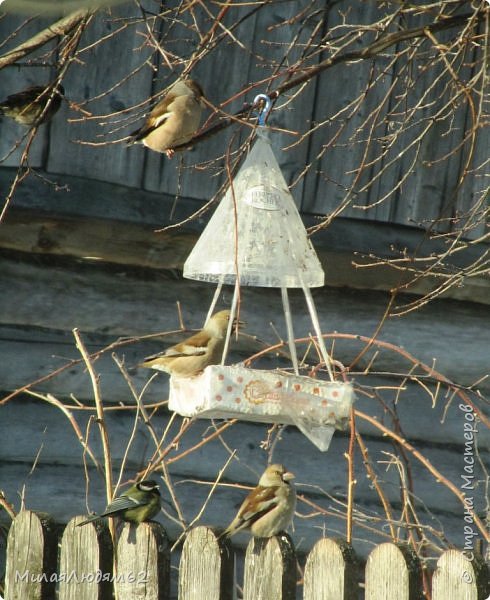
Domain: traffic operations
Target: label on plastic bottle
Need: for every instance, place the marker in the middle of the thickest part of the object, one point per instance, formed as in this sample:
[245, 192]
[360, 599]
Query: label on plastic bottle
[260, 196]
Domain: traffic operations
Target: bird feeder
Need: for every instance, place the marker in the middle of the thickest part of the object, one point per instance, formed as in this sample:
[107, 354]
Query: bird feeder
[264, 244]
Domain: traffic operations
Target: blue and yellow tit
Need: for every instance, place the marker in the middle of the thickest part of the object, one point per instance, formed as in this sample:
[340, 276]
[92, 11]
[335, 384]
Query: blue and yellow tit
[141, 502]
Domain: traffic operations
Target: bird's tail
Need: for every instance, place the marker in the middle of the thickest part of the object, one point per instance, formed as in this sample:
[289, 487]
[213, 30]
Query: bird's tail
[89, 520]
[224, 534]
[134, 137]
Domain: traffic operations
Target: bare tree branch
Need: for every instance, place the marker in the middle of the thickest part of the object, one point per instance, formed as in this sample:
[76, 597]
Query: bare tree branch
[61, 27]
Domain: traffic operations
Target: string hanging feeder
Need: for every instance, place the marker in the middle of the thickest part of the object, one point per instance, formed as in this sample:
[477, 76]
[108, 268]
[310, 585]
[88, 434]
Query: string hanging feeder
[267, 247]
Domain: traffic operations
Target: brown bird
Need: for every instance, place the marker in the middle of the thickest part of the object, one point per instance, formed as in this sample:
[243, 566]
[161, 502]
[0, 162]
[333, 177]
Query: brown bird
[174, 120]
[269, 508]
[193, 355]
[34, 105]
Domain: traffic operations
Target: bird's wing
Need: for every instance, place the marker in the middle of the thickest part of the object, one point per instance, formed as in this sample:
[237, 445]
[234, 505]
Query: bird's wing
[28, 95]
[196, 345]
[120, 504]
[257, 504]
[155, 121]
[160, 113]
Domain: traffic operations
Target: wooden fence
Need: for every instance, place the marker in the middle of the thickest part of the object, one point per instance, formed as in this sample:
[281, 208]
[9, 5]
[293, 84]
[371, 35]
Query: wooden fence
[80, 565]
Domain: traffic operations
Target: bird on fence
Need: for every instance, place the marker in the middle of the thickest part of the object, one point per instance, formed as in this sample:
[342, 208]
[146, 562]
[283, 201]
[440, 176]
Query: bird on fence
[34, 105]
[269, 508]
[174, 120]
[141, 502]
[193, 355]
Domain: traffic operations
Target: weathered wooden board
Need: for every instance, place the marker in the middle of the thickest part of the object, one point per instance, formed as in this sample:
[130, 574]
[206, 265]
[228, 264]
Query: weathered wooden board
[321, 477]
[335, 108]
[392, 572]
[96, 78]
[84, 550]
[32, 550]
[120, 302]
[206, 568]
[442, 424]
[344, 245]
[331, 571]
[110, 241]
[13, 137]
[260, 43]
[138, 245]
[280, 38]
[269, 569]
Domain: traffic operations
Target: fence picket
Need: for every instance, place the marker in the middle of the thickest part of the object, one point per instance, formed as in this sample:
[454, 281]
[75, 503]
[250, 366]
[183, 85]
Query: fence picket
[270, 569]
[31, 557]
[85, 552]
[206, 567]
[143, 563]
[330, 571]
[458, 578]
[393, 573]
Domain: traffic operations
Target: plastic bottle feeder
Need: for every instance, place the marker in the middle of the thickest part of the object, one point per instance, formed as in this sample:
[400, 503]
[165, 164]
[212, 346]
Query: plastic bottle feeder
[264, 245]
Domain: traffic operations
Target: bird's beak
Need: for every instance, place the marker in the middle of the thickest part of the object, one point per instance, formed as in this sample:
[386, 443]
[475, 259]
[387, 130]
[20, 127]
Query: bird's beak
[288, 476]
[238, 323]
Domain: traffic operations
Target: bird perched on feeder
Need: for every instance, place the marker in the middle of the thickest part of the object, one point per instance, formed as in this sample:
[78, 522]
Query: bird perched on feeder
[269, 508]
[33, 106]
[141, 502]
[174, 120]
[193, 355]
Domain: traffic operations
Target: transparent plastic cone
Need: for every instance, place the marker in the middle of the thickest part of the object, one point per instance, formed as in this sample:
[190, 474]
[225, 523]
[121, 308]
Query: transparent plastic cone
[266, 241]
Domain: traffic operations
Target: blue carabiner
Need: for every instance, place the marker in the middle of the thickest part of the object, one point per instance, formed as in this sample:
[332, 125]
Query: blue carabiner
[265, 111]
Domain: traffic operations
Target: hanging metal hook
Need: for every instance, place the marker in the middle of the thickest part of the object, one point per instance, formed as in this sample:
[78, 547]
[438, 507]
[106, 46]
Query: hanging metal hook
[262, 114]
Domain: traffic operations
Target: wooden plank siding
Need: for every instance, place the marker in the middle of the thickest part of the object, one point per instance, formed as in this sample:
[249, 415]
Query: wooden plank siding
[15, 79]
[96, 80]
[428, 192]
[58, 479]
[84, 253]
[206, 568]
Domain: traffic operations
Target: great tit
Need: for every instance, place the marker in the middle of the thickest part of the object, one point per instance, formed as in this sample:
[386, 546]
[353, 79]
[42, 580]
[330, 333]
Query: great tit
[141, 502]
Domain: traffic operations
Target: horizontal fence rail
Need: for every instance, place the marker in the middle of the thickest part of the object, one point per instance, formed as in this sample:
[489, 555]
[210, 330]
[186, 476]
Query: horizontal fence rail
[84, 565]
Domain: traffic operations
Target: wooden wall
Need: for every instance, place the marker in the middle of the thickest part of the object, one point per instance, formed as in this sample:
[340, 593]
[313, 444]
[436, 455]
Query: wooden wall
[101, 78]
[46, 297]
[107, 205]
